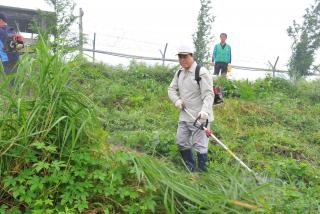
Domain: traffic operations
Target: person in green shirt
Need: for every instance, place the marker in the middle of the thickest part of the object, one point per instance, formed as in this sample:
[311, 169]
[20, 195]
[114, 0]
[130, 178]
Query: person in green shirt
[221, 56]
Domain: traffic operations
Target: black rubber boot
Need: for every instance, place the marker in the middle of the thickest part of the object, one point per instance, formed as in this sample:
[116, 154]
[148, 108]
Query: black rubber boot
[202, 159]
[187, 157]
[218, 97]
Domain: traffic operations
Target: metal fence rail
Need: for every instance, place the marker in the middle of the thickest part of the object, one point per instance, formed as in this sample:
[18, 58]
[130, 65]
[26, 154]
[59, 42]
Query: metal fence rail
[130, 56]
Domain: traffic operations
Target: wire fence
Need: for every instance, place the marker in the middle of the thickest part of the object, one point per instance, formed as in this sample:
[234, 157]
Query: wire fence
[130, 56]
[122, 39]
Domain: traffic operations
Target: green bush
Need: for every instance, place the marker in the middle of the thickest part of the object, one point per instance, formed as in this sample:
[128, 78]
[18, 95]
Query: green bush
[309, 90]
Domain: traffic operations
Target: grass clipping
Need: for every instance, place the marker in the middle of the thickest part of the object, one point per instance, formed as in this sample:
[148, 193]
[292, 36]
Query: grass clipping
[214, 191]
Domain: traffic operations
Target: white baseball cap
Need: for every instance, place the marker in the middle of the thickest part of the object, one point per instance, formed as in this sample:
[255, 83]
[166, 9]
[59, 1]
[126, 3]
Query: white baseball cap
[185, 49]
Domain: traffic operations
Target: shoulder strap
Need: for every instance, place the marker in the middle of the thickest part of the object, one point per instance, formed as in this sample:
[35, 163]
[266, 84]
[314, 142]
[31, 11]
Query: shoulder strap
[197, 74]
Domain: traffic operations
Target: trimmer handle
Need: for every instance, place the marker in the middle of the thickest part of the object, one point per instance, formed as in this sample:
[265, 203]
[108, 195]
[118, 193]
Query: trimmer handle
[202, 126]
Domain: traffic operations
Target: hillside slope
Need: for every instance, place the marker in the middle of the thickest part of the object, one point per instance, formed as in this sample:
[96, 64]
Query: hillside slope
[271, 124]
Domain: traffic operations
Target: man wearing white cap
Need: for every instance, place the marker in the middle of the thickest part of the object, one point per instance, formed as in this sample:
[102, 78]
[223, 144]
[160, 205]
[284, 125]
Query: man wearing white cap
[195, 94]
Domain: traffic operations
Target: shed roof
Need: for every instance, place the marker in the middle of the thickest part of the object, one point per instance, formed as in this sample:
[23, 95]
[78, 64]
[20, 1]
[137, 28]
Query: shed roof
[23, 18]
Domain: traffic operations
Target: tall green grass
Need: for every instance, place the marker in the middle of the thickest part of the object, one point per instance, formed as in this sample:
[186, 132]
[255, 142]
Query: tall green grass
[221, 190]
[44, 123]
[42, 107]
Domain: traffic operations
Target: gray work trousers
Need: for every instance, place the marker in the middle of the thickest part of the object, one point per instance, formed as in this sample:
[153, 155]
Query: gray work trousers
[190, 137]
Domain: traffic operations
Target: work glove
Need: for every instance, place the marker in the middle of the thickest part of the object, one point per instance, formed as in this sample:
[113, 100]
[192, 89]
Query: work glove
[203, 115]
[179, 104]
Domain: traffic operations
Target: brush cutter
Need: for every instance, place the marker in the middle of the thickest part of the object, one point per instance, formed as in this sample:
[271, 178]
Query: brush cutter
[199, 125]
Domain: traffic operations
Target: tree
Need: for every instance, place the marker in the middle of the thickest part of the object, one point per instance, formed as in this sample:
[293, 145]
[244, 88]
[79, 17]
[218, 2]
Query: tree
[65, 18]
[306, 42]
[202, 37]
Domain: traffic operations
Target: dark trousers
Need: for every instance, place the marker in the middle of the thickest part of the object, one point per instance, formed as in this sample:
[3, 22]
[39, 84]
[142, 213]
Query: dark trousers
[9, 67]
[220, 66]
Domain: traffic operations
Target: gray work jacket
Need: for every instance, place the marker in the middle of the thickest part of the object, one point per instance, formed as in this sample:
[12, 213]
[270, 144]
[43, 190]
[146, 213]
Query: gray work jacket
[195, 97]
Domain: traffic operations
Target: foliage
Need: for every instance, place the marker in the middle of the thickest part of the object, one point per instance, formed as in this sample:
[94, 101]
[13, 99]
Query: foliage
[306, 42]
[202, 36]
[52, 145]
[77, 137]
[65, 19]
[271, 124]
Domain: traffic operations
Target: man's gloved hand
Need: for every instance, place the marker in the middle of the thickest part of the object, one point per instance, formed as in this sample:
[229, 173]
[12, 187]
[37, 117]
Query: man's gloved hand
[179, 104]
[203, 115]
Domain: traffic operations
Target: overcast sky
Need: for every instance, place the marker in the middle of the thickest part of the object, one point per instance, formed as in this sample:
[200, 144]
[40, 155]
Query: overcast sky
[256, 28]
